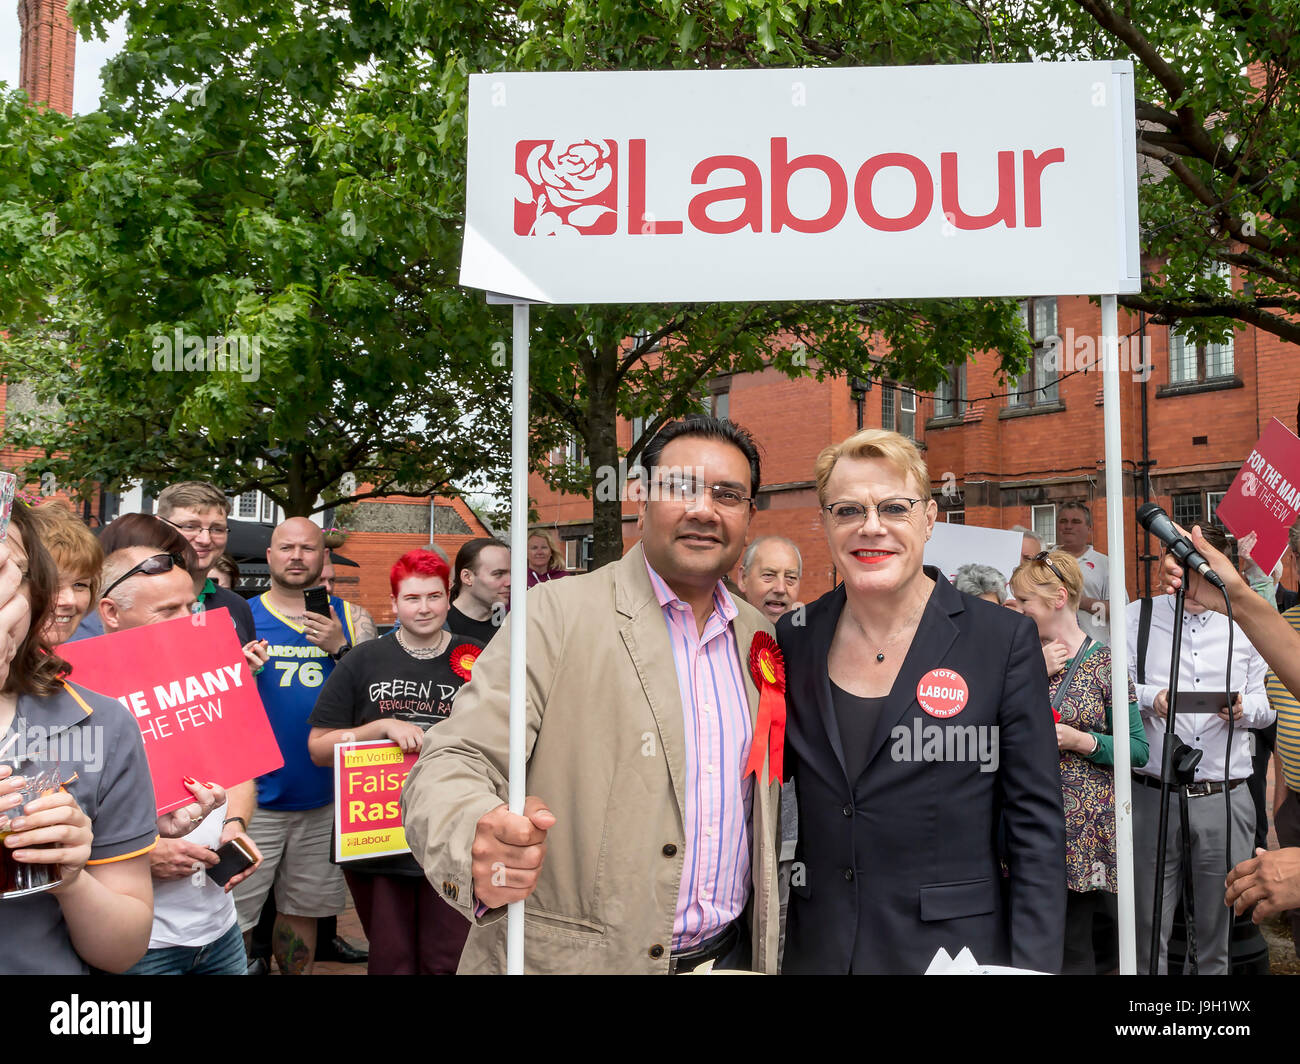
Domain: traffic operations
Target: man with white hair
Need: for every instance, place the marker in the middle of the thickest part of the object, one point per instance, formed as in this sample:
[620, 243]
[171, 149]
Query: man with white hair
[1030, 543]
[770, 571]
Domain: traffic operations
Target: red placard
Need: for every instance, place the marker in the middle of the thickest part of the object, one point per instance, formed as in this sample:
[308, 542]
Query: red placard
[188, 687]
[1265, 495]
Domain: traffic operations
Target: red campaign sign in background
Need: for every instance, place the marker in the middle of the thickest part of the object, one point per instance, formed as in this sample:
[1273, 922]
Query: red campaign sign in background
[187, 685]
[1265, 495]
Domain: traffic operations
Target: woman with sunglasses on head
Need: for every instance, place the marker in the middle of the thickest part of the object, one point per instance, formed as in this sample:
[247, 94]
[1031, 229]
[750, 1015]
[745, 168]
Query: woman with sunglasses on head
[1048, 587]
[98, 828]
[916, 727]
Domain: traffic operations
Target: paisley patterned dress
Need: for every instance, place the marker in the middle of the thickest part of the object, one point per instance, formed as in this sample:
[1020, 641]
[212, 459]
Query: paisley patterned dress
[1088, 789]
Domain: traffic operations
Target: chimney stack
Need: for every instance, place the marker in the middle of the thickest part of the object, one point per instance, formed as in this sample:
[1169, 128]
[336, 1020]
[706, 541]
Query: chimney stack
[49, 49]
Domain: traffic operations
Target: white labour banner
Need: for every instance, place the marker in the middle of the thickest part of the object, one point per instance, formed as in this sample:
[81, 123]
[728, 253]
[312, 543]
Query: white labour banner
[858, 183]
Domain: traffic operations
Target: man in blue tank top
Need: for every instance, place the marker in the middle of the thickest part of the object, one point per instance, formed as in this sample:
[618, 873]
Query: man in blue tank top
[296, 802]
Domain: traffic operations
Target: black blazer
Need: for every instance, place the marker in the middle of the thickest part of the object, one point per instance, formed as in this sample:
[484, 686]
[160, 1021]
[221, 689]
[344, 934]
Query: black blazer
[904, 859]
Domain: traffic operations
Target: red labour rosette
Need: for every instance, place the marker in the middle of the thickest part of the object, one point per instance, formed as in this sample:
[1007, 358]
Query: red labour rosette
[462, 659]
[767, 667]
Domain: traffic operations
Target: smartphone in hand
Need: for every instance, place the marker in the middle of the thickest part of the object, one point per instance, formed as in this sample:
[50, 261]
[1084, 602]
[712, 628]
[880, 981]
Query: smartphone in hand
[318, 600]
[232, 859]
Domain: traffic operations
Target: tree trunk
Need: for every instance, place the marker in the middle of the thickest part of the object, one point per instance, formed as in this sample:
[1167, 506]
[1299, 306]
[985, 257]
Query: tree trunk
[601, 439]
[301, 496]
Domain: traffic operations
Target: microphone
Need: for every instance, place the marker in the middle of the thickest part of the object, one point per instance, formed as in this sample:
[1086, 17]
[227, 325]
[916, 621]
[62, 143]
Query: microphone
[1156, 521]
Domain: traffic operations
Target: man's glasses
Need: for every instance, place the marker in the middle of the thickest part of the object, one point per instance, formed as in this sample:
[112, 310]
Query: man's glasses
[675, 489]
[890, 511]
[192, 528]
[1042, 556]
[151, 566]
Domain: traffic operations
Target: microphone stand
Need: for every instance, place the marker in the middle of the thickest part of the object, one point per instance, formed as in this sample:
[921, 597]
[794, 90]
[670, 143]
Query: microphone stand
[1177, 766]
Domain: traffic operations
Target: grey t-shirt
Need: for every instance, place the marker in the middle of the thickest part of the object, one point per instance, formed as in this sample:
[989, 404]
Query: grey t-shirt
[95, 738]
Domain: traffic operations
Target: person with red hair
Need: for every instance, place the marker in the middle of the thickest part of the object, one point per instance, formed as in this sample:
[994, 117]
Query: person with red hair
[396, 688]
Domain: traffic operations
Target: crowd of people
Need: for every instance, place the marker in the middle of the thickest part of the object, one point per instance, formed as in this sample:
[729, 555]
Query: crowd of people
[719, 775]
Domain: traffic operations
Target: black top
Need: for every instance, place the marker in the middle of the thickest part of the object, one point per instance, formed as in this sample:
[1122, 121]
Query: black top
[903, 858]
[240, 612]
[378, 679]
[857, 718]
[460, 624]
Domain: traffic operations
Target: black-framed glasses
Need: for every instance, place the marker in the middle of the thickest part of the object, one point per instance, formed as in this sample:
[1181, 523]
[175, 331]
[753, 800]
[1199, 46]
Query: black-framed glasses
[215, 531]
[891, 511]
[151, 566]
[1042, 556]
[679, 489]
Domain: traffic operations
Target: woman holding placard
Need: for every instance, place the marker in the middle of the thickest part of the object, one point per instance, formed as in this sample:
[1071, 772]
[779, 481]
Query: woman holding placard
[396, 688]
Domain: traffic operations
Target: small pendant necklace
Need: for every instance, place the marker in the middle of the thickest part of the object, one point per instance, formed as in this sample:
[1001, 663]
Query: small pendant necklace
[424, 653]
[880, 649]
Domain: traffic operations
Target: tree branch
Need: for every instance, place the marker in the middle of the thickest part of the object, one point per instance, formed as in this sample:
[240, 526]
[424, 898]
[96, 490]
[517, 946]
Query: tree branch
[1218, 308]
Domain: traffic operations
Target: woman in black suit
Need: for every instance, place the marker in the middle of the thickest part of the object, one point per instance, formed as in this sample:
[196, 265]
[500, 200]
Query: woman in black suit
[920, 734]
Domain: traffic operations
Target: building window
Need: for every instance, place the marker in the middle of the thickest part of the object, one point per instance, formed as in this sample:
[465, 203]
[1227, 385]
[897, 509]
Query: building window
[950, 395]
[574, 454]
[1043, 522]
[1186, 509]
[898, 410]
[1193, 363]
[1212, 500]
[577, 553]
[246, 506]
[1040, 384]
[720, 398]
[956, 517]
[268, 510]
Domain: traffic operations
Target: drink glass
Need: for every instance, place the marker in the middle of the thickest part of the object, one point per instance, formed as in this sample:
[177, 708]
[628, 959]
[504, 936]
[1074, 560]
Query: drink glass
[19, 880]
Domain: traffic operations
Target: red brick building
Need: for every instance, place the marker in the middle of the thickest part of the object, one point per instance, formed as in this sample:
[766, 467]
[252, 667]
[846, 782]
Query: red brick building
[1011, 453]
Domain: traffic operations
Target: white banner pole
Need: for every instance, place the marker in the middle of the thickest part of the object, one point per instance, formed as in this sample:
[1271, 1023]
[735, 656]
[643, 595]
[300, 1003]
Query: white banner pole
[518, 608]
[1118, 636]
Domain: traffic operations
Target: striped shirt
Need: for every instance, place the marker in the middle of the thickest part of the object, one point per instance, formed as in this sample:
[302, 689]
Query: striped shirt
[715, 882]
[1288, 718]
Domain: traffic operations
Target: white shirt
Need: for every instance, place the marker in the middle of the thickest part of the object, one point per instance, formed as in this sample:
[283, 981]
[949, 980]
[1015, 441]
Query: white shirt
[1200, 668]
[193, 911]
[1096, 585]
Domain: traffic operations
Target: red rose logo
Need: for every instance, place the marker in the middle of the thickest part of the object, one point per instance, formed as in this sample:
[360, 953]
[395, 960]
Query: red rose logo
[1249, 485]
[566, 187]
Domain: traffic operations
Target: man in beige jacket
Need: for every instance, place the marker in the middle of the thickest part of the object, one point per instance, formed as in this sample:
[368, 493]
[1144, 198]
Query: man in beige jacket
[644, 847]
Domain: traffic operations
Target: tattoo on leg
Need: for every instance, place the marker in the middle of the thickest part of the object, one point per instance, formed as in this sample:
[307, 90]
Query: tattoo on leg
[289, 949]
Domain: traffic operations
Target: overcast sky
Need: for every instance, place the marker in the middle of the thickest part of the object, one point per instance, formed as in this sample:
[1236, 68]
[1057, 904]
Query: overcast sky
[90, 57]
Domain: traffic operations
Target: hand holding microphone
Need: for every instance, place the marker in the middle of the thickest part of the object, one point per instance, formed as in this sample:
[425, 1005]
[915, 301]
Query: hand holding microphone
[1222, 573]
[1156, 521]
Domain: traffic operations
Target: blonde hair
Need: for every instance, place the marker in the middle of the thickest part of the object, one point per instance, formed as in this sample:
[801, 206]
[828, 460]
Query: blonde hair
[556, 560]
[74, 548]
[894, 448]
[1036, 577]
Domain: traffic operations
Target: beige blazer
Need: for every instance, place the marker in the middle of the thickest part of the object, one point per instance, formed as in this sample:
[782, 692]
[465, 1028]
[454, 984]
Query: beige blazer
[606, 751]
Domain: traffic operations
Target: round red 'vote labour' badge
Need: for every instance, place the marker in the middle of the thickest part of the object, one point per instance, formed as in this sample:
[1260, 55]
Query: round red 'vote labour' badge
[942, 693]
